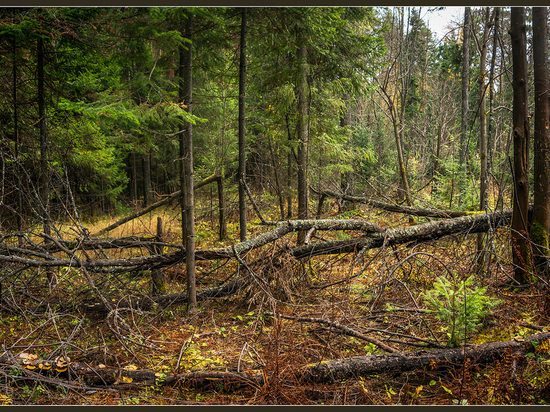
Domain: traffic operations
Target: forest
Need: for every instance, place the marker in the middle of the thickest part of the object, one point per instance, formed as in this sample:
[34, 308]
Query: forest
[274, 206]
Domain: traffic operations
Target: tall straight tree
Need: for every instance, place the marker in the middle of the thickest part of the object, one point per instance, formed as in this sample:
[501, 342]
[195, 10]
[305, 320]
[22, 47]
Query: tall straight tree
[483, 186]
[465, 89]
[303, 137]
[44, 164]
[186, 150]
[521, 146]
[242, 129]
[541, 143]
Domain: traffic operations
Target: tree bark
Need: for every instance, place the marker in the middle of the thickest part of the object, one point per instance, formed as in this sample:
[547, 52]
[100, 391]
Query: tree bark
[490, 139]
[465, 89]
[303, 138]
[541, 143]
[242, 127]
[520, 228]
[44, 164]
[147, 185]
[419, 233]
[350, 368]
[188, 220]
[157, 276]
[483, 186]
[19, 218]
[345, 177]
[221, 210]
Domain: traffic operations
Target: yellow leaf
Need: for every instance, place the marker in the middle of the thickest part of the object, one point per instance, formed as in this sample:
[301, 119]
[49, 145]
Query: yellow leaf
[131, 368]
[418, 389]
[126, 379]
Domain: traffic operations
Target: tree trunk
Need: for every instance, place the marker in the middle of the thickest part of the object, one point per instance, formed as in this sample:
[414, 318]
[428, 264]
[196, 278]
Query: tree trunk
[157, 276]
[303, 138]
[188, 197]
[175, 195]
[44, 167]
[520, 228]
[147, 185]
[417, 233]
[490, 139]
[242, 129]
[541, 143]
[345, 177]
[275, 164]
[221, 210]
[483, 191]
[19, 219]
[465, 89]
[350, 368]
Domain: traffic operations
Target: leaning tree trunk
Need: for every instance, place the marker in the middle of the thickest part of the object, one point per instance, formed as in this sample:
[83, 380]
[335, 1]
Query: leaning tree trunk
[520, 228]
[541, 143]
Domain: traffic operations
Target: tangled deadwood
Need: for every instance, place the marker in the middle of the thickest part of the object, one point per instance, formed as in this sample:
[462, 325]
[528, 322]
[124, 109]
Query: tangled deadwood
[58, 370]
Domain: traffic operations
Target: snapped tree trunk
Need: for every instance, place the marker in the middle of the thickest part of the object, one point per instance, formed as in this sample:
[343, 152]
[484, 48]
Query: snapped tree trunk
[520, 228]
[541, 143]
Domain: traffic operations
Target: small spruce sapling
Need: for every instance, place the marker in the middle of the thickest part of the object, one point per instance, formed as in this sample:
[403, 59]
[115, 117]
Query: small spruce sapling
[460, 305]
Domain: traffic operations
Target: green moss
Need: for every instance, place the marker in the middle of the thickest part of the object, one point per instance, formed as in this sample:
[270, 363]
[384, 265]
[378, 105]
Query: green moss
[539, 236]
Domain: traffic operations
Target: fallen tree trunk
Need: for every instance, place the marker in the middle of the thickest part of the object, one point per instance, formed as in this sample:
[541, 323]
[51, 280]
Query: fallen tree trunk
[394, 207]
[350, 368]
[157, 261]
[322, 372]
[175, 195]
[419, 233]
[375, 236]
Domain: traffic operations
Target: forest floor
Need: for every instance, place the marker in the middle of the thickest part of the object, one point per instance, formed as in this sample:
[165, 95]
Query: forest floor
[382, 297]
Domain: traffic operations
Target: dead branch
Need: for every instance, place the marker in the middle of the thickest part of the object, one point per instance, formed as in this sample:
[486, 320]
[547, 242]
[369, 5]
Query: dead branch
[154, 206]
[336, 325]
[394, 207]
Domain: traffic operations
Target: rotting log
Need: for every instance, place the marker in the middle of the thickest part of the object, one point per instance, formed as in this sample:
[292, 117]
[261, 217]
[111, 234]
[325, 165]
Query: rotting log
[408, 210]
[354, 367]
[135, 215]
[323, 372]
